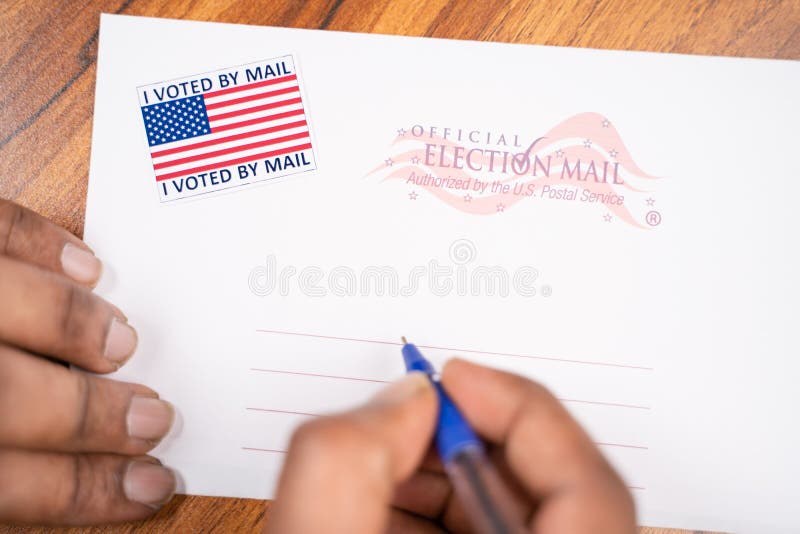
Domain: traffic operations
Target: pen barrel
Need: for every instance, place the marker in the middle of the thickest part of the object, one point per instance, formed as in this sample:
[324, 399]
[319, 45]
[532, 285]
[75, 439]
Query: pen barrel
[484, 495]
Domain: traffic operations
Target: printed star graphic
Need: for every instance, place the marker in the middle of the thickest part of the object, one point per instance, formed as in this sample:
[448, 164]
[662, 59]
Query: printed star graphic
[501, 208]
[412, 195]
[415, 160]
[613, 153]
[401, 132]
[559, 153]
[467, 198]
[650, 201]
[607, 217]
[588, 143]
[605, 123]
[389, 162]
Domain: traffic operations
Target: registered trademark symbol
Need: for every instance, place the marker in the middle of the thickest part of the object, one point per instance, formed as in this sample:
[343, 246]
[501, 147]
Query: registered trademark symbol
[653, 218]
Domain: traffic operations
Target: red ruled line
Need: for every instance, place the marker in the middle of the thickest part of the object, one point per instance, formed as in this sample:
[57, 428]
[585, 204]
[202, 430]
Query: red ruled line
[601, 403]
[340, 377]
[453, 349]
[623, 445]
[263, 450]
[290, 412]
[276, 451]
[337, 377]
[308, 414]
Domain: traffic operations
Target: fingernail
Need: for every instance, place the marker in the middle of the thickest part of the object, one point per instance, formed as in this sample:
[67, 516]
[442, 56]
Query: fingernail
[149, 484]
[118, 312]
[149, 418]
[80, 265]
[402, 390]
[120, 342]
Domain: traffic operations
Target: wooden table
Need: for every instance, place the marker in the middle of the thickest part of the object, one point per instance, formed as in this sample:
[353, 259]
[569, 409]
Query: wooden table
[48, 51]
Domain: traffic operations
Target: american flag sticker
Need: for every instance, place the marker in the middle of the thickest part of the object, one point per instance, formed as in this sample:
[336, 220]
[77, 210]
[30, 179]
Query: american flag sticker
[226, 129]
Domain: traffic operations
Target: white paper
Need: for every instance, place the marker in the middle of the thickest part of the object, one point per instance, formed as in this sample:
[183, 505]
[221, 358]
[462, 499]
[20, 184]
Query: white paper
[669, 336]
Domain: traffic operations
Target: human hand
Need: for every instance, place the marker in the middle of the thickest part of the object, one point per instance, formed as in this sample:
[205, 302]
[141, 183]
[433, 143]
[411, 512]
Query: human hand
[72, 445]
[367, 470]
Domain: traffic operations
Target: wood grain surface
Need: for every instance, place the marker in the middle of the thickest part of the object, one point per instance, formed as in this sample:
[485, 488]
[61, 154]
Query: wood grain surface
[47, 75]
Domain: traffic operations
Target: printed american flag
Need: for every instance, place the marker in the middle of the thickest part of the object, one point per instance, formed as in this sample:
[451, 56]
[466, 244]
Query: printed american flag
[226, 127]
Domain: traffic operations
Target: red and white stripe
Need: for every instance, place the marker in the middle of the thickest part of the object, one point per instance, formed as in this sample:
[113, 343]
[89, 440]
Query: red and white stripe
[248, 123]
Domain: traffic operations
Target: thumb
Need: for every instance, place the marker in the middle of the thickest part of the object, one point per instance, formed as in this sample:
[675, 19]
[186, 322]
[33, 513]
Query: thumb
[341, 471]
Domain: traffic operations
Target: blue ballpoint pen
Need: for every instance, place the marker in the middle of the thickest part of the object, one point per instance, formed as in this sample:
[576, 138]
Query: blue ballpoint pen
[477, 484]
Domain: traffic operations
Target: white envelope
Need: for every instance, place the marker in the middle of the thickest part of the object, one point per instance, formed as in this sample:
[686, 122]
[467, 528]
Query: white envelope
[620, 226]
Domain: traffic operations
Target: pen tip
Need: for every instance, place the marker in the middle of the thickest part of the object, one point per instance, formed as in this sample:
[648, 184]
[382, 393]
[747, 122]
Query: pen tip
[405, 341]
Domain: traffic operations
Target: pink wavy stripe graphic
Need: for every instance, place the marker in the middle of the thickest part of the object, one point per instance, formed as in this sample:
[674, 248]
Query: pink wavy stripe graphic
[590, 125]
[578, 138]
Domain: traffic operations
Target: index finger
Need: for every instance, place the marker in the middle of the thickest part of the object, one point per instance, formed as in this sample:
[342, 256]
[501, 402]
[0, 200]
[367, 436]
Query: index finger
[546, 449]
[27, 236]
